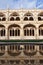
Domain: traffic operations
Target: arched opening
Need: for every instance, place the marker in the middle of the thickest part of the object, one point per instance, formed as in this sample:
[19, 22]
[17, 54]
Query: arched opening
[29, 30]
[14, 50]
[28, 17]
[29, 47]
[11, 32]
[29, 50]
[40, 16]
[26, 32]
[31, 19]
[2, 30]
[14, 47]
[41, 30]
[17, 19]
[14, 17]
[2, 50]
[41, 61]
[17, 32]
[2, 62]
[2, 17]
[14, 30]
[41, 49]
[32, 61]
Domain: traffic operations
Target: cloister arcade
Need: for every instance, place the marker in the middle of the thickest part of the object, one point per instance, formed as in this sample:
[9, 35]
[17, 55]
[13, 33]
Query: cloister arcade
[15, 30]
[20, 31]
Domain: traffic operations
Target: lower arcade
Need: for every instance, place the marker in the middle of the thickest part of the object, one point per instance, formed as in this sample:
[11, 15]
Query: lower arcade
[21, 53]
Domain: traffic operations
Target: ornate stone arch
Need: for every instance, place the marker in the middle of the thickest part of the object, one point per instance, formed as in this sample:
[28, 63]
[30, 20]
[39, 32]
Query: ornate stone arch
[28, 16]
[13, 30]
[14, 16]
[29, 30]
[2, 17]
[40, 16]
[41, 29]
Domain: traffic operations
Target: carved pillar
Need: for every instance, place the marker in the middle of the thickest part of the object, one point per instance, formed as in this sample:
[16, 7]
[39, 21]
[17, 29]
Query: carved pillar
[6, 51]
[37, 33]
[38, 54]
[6, 33]
[22, 32]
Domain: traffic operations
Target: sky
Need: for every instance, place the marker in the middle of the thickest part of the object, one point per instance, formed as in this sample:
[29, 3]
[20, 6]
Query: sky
[18, 4]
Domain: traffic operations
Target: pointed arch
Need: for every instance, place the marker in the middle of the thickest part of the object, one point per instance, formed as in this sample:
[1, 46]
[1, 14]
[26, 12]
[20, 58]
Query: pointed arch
[14, 17]
[14, 14]
[2, 17]
[40, 16]
[29, 30]
[41, 30]
[28, 16]
[14, 30]
[2, 30]
[29, 25]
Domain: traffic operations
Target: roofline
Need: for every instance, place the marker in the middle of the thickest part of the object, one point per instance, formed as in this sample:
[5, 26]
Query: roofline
[21, 9]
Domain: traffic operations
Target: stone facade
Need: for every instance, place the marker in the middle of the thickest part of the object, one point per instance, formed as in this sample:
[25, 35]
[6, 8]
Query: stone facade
[21, 25]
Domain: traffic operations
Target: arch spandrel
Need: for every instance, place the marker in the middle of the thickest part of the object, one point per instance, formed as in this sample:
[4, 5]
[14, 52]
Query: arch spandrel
[28, 14]
[2, 14]
[29, 25]
[40, 14]
[14, 14]
[41, 25]
[13, 25]
[2, 25]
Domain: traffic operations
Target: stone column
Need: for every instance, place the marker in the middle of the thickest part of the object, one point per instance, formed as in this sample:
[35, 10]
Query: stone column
[22, 32]
[35, 47]
[6, 53]
[38, 54]
[37, 32]
[6, 33]
[14, 48]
